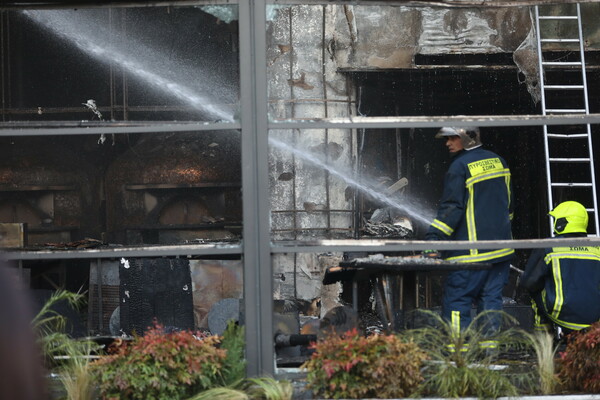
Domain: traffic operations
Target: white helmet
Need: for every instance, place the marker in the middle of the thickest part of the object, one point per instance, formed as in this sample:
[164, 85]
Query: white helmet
[469, 136]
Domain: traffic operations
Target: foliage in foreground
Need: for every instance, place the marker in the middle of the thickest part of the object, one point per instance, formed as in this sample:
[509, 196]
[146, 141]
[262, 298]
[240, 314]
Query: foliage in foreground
[545, 350]
[234, 365]
[459, 366]
[50, 327]
[475, 380]
[265, 388]
[160, 365]
[233, 372]
[75, 372]
[580, 362]
[66, 356]
[354, 366]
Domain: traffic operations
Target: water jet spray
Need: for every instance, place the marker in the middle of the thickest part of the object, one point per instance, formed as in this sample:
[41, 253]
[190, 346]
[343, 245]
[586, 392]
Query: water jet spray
[363, 187]
[59, 23]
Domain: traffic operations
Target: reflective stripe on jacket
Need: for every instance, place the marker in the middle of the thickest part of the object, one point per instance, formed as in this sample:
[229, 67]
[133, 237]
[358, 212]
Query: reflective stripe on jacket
[571, 294]
[476, 204]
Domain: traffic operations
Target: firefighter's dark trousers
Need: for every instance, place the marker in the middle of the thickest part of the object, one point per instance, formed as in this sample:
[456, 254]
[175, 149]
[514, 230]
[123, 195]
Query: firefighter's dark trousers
[482, 288]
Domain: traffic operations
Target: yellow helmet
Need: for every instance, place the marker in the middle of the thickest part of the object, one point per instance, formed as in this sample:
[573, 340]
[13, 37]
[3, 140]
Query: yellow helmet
[570, 217]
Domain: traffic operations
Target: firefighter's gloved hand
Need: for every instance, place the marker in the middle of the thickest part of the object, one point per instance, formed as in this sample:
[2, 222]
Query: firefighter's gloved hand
[430, 254]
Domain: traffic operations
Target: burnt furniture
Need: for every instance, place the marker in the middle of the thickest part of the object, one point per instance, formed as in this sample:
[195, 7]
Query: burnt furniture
[393, 280]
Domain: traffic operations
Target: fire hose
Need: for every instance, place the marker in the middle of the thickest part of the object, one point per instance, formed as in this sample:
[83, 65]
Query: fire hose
[286, 340]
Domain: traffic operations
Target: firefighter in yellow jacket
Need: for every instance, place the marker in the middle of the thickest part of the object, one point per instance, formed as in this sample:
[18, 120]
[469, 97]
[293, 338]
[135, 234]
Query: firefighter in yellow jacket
[564, 281]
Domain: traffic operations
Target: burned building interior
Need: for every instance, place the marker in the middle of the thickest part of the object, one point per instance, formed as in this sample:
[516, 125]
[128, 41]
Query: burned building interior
[78, 191]
[137, 65]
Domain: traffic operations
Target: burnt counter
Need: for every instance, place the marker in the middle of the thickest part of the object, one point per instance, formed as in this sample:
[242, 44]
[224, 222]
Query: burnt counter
[394, 282]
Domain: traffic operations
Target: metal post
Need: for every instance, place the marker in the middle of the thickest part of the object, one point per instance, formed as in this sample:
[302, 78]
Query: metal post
[99, 291]
[258, 291]
[543, 103]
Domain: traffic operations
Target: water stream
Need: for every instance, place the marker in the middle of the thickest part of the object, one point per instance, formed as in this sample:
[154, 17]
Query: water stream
[375, 193]
[92, 38]
[65, 25]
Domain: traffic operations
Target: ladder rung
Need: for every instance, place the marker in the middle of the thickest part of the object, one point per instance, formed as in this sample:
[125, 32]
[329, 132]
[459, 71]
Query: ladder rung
[557, 40]
[575, 160]
[558, 17]
[568, 184]
[565, 136]
[566, 110]
[592, 210]
[561, 63]
[564, 87]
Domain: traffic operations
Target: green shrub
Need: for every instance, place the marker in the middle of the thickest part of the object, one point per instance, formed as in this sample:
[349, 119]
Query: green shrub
[354, 366]
[160, 365]
[50, 327]
[542, 344]
[75, 372]
[234, 365]
[262, 388]
[579, 365]
[67, 358]
[459, 366]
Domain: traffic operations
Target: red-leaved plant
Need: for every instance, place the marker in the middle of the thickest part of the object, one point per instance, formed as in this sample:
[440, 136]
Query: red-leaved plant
[354, 366]
[579, 367]
[160, 365]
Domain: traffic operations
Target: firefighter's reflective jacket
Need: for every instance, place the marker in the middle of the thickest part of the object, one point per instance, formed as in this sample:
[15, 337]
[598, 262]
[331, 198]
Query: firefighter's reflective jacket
[567, 281]
[476, 204]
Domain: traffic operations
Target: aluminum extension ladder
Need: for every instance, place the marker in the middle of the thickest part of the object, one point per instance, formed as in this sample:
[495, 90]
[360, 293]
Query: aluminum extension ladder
[567, 148]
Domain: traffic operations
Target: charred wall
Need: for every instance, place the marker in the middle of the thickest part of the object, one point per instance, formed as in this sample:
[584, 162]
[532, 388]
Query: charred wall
[175, 188]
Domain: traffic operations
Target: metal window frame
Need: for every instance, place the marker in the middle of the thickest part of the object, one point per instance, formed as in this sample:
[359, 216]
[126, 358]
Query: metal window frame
[258, 279]
[90, 128]
[257, 247]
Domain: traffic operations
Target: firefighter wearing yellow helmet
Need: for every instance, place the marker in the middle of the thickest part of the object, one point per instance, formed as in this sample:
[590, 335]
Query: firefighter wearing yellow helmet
[564, 281]
[570, 217]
